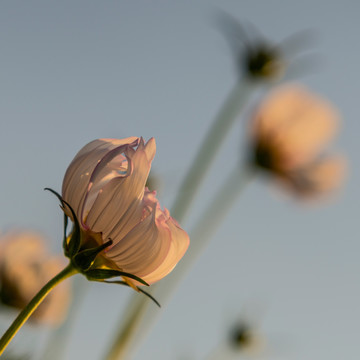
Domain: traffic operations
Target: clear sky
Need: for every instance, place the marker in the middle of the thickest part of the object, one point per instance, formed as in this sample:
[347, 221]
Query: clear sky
[73, 71]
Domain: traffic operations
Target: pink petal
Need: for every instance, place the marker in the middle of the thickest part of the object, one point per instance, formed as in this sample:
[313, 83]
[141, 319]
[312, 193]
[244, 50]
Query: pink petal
[296, 123]
[179, 243]
[319, 178]
[77, 177]
[114, 200]
[143, 249]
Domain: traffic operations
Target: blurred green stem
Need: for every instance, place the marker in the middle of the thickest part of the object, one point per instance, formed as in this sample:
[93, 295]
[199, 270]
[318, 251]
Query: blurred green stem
[139, 320]
[136, 311]
[33, 304]
[209, 147]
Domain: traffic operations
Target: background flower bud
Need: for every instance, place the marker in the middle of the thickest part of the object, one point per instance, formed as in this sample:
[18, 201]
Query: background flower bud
[25, 267]
[288, 131]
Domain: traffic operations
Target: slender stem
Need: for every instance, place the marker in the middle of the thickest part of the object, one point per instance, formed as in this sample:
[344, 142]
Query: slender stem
[33, 304]
[200, 166]
[139, 320]
[215, 213]
[209, 147]
[127, 331]
[57, 343]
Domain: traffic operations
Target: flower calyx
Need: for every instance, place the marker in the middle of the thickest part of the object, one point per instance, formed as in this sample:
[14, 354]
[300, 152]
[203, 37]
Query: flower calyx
[263, 62]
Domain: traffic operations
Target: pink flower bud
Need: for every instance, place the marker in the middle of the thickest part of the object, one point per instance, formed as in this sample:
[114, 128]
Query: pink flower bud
[105, 186]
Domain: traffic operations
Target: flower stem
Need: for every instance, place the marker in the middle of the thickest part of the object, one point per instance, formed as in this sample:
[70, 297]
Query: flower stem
[139, 316]
[33, 304]
[192, 181]
[209, 147]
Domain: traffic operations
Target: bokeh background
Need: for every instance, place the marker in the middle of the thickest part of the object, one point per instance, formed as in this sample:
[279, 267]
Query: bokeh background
[73, 71]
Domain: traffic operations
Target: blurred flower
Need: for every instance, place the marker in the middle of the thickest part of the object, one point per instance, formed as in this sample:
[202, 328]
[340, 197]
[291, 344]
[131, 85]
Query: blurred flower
[25, 267]
[105, 187]
[244, 337]
[289, 129]
[258, 58]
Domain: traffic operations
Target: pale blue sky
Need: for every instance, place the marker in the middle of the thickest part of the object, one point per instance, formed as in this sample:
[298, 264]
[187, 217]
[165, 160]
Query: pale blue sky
[72, 71]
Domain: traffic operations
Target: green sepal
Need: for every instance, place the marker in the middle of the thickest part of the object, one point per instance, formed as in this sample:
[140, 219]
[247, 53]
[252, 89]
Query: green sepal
[102, 274]
[75, 237]
[119, 282]
[56, 194]
[85, 258]
[65, 245]
[72, 247]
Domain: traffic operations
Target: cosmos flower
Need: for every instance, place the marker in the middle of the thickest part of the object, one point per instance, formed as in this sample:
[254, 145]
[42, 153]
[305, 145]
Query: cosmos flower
[25, 266]
[105, 187]
[288, 132]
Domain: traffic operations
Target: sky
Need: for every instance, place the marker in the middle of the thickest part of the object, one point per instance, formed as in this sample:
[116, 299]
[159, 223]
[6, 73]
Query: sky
[74, 71]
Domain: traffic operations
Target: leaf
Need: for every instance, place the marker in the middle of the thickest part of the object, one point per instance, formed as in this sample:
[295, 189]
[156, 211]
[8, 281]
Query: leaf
[74, 242]
[101, 274]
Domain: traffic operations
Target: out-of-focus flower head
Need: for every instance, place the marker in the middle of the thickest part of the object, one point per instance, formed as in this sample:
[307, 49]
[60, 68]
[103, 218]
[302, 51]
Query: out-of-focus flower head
[25, 267]
[288, 132]
[257, 57]
[123, 230]
[245, 338]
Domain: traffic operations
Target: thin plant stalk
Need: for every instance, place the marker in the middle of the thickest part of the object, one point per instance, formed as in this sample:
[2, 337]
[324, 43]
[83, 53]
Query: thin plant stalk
[137, 324]
[59, 338]
[210, 146]
[191, 183]
[33, 304]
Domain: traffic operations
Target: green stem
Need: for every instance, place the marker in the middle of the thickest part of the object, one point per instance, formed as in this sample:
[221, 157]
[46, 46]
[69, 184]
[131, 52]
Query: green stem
[209, 147]
[215, 213]
[139, 320]
[192, 181]
[125, 336]
[33, 304]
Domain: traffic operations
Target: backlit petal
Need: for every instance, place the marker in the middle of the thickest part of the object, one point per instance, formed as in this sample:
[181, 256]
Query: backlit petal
[121, 193]
[77, 177]
[143, 249]
[179, 242]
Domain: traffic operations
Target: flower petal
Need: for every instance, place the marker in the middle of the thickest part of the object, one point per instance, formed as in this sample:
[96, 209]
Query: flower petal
[296, 123]
[179, 242]
[318, 179]
[77, 177]
[143, 249]
[121, 194]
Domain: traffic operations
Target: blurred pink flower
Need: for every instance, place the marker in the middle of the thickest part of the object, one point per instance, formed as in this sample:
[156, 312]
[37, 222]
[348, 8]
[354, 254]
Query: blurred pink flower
[289, 130]
[25, 267]
[105, 186]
